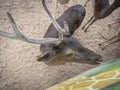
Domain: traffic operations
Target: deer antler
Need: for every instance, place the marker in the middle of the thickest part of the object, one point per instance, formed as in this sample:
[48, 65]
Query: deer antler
[20, 36]
[57, 26]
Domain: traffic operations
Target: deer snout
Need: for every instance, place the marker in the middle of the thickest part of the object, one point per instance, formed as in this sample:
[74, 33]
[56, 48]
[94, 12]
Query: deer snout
[97, 60]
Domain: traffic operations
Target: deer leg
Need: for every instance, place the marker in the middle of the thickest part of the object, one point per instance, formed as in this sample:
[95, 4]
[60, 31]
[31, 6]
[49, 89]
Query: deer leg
[102, 36]
[86, 3]
[118, 21]
[107, 40]
[88, 22]
[116, 36]
[93, 21]
[110, 41]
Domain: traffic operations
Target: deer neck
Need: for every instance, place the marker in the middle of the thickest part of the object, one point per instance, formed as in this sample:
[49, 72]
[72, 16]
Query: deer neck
[108, 10]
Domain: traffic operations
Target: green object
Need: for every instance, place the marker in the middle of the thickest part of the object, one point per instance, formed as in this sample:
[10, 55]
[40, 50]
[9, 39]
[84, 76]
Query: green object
[102, 68]
[115, 86]
[104, 77]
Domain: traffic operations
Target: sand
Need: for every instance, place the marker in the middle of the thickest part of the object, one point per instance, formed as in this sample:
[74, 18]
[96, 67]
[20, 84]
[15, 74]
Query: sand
[19, 69]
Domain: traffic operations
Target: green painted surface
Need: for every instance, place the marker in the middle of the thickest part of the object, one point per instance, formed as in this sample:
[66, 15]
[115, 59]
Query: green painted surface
[115, 86]
[102, 68]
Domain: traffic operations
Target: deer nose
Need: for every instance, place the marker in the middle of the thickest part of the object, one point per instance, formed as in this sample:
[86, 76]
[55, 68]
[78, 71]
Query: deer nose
[98, 61]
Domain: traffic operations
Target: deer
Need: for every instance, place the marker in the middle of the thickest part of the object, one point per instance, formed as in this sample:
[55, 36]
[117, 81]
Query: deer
[58, 46]
[102, 9]
[69, 48]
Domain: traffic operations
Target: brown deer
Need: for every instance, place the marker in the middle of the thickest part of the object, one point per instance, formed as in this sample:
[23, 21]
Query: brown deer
[102, 9]
[59, 46]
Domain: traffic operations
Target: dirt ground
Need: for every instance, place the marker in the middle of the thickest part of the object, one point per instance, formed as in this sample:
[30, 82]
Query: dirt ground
[19, 69]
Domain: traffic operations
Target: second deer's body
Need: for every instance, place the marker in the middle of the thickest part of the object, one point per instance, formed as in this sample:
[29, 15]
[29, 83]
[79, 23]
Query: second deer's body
[102, 9]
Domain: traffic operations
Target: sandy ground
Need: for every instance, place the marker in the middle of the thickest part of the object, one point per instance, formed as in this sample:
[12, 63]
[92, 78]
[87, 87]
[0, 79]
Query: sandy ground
[19, 69]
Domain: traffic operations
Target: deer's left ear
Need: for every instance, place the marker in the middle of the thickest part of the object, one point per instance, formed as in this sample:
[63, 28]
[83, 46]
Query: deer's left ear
[43, 57]
[46, 56]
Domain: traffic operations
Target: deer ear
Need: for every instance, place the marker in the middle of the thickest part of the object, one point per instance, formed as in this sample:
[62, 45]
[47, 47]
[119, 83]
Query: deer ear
[43, 57]
[46, 56]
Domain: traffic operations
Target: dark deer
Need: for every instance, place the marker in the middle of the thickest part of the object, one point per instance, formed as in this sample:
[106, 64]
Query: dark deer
[69, 50]
[59, 46]
[102, 9]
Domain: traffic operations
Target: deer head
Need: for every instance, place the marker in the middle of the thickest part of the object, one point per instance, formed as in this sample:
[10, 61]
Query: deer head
[69, 50]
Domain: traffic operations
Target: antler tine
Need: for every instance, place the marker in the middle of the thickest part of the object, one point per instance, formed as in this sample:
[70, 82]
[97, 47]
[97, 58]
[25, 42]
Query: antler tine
[14, 26]
[18, 35]
[57, 26]
[6, 34]
[66, 27]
